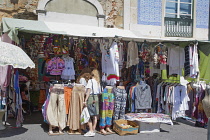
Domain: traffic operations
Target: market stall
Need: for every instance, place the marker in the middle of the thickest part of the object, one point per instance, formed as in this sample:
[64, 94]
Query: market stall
[136, 75]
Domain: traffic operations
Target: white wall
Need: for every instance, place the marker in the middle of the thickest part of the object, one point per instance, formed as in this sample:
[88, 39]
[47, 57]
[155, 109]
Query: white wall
[68, 18]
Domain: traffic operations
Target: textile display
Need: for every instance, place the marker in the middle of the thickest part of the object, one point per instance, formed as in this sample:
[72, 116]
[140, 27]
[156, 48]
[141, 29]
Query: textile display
[67, 97]
[149, 117]
[107, 108]
[120, 98]
[76, 107]
[56, 114]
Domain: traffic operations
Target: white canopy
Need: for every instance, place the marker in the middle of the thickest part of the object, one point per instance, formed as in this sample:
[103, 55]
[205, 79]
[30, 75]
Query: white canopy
[12, 26]
[14, 56]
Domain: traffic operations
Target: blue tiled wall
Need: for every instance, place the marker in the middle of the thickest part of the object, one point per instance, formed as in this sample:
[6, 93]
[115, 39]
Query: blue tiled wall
[202, 13]
[150, 12]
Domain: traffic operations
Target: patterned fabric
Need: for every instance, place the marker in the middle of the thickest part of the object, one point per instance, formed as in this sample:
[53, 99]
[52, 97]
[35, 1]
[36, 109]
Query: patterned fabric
[119, 103]
[150, 12]
[107, 108]
[202, 13]
[149, 117]
[55, 66]
[187, 62]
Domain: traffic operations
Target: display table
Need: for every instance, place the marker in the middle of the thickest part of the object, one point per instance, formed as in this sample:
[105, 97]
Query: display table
[149, 122]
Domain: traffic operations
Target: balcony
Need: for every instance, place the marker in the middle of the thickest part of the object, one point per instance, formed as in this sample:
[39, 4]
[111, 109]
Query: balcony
[177, 27]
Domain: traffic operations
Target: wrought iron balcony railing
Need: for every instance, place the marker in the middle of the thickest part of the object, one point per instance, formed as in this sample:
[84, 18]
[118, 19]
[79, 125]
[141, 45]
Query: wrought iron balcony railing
[177, 27]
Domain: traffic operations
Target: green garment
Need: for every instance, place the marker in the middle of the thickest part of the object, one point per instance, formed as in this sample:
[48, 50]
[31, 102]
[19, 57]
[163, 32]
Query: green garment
[204, 67]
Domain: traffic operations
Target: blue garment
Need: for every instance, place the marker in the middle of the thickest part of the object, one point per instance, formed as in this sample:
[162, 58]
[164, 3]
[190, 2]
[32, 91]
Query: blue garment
[133, 108]
[17, 89]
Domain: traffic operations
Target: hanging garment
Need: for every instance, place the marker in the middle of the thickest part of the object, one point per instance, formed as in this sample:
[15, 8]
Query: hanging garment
[68, 72]
[191, 94]
[18, 106]
[104, 57]
[5, 75]
[55, 66]
[121, 58]
[176, 60]
[107, 108]
[187, 61]
[44, 108]
[142, 97]
[56, 113]
[132, 55]
[180, 102]
[198, 112]
[194, 62]
[67, 97]
[120, 98]
[112, 61]
[76, 107]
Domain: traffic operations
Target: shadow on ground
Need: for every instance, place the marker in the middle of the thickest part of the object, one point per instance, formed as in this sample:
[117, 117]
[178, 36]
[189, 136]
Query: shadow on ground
[12, 131]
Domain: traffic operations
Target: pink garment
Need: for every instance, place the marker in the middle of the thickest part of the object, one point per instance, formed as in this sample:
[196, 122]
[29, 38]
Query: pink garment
[5, 76]
[55, 66]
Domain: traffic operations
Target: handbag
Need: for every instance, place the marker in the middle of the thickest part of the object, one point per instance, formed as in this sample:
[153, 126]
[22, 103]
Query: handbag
[92, 107]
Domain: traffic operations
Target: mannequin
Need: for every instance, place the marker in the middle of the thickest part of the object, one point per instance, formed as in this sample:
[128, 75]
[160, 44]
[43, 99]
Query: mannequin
[106, 124]
[55, 116]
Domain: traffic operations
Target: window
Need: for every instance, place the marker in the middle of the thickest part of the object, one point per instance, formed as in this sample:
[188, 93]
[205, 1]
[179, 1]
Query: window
[179, 9]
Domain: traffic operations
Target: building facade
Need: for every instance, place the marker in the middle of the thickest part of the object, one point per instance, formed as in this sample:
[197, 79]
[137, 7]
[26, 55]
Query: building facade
[146, 18]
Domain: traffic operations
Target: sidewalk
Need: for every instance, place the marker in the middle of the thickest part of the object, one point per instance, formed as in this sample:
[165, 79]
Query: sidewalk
[35, 129]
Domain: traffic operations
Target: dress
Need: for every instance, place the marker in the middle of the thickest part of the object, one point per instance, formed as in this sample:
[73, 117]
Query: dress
[68, 73]
[112, 61]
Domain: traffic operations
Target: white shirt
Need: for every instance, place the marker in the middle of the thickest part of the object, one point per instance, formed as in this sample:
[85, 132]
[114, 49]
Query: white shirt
[176, 60]
[93, 84]
[83, 81]
[132, 55]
